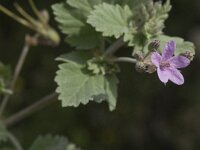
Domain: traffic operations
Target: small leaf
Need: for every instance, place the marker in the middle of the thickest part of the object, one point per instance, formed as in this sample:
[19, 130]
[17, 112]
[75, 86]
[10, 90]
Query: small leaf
[111, 82]
[155, 14]
[49, 142]
[111, 20]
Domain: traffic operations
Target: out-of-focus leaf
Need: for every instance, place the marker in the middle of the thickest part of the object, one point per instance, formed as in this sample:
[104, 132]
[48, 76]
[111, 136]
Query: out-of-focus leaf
[49, 142]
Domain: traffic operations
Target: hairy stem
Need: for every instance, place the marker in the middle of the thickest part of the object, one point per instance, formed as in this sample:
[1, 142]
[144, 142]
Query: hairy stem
[114, 47]
[17, 71]
[124, 59]
[14, 141]
[38, 105]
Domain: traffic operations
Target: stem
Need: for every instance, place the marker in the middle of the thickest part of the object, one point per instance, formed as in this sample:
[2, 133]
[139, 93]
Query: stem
[40, 104]
[26, 15]
[15, 17]
[14, 141]
[114, 47]
[36, 11]
[124, 59]
[15, 76]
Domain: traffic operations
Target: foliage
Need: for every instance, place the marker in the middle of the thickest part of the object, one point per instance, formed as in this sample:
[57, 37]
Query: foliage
[96, 29]
[89, 24]
[49, 142]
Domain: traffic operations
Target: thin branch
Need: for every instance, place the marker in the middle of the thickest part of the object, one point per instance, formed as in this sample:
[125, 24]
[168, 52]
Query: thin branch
[17, 71]
[14, 141]
[124, 59]
[114, 47]
[15, 17]
[40, 104]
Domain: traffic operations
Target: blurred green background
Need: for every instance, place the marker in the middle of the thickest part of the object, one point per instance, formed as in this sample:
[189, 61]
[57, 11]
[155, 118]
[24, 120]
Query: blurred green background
[149, 115]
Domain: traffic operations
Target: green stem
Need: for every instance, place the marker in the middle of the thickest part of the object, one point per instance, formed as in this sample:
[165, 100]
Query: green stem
[36, 11]
[124, 59]
[17, 71]
[26, 15]
[15, 17]
[14, 141]
[114, 47]
[38, 105]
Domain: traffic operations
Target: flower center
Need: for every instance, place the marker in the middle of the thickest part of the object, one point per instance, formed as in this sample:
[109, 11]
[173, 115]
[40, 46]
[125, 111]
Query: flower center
[164, 64]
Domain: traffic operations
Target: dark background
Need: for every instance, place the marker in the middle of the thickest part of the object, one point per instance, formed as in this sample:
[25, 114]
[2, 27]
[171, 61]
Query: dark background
[149, 115]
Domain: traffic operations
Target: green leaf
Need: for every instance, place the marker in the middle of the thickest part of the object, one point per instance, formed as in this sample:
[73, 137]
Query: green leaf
[52, 143]
[73, 23]
[70, 20]
[111, 82]
[75, 57]
[79, 85]
[75, 86]
[83, 5]
[111, 20]
[87, 38]
[155, 15]
[3, 132]
[181, 46]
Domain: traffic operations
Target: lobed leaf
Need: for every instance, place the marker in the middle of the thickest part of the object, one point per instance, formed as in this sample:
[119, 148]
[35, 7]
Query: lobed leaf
[111, 20]
[77, 85]
[49, 142]
[72, 21]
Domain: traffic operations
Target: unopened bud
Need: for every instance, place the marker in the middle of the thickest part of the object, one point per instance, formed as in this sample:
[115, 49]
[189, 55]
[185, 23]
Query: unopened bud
[140, 67]
[154, 45]
[188, 54]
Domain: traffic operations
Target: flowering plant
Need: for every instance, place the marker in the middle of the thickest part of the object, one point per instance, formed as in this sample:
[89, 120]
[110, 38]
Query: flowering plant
[96, 29]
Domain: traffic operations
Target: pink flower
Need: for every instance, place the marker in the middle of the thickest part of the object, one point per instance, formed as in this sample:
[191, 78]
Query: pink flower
[167, 64]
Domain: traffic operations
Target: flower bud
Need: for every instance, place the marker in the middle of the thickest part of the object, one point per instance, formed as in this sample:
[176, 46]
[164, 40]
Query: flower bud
[154, 45]
[188, 54]
[140, 67]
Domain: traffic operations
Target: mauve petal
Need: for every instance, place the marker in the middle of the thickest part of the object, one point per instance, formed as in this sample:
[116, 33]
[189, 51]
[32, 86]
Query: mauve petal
[168, 51]
[163, 75]
[175, 76]
[156, 58]
[179, 61]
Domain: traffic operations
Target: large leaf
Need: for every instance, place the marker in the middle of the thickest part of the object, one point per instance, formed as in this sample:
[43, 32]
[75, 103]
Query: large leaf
[111, 20]
[78, 85]
[75, 86]
[52, 143]
[72, 21]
